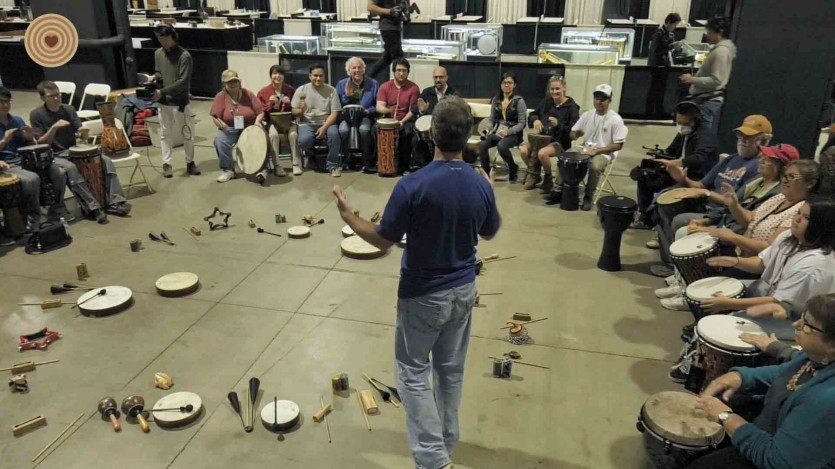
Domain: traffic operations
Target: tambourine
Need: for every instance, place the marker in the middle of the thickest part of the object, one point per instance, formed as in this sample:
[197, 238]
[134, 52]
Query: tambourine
[358, 248]
[177, 284]
[177, 418]
[280, 415]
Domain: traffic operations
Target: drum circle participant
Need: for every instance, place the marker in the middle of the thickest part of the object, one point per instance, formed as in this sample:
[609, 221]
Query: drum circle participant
[507, 122]
[233, 109]
[358, 89]
[275, 97]
[395, 100]
[422, 146]
[316, 104]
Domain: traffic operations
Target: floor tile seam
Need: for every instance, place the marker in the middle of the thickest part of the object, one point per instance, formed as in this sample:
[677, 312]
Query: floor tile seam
[58, 444]
[335, 269]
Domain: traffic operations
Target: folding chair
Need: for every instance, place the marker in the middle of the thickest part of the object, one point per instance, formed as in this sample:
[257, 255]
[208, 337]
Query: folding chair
[92, 89]
[604, 181]
[66, 87]
[133, 156]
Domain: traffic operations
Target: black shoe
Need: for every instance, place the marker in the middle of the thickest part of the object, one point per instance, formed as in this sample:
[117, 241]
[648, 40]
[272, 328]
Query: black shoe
[678, 375]
[120, 210]
[4, 241]
[586, 204]
[553, 198]
[191, 168]
[687, 332]
[369, 169]
[513, 175]
[260, 179]
[167, 171]
[100, 216]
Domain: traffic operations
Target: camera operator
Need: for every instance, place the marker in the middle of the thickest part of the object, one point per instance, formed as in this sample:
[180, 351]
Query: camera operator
[173, 66]
[391, 24]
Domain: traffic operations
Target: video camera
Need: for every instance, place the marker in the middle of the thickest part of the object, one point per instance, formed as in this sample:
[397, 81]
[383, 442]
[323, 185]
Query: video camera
[404, 10]
[147, 90]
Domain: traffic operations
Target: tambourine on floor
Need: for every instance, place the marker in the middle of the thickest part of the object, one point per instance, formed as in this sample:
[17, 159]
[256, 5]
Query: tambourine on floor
[358, 248]
[177, 284]
[174, 419]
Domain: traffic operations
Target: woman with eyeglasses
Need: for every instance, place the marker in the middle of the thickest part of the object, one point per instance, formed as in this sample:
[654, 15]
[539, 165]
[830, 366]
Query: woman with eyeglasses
[794, 428]
[507, 122]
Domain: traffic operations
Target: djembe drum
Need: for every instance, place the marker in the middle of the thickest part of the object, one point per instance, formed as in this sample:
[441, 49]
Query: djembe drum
[353, 114]
[388, 134]
[113, 140]
[537, 142]
[615, 213]
[573, 167]
[38, 159]
[720, 348]
[282, 121]
[87, 158]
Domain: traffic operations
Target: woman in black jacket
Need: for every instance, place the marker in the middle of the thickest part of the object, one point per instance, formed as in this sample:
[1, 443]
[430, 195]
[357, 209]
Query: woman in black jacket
[506, 123]
[554, 116]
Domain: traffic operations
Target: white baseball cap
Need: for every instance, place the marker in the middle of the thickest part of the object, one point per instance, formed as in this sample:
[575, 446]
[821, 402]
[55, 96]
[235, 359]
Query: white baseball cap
[604, 89]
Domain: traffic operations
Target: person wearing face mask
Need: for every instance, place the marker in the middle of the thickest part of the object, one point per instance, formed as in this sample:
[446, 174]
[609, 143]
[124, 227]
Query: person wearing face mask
[693, 148]
[358, 89]
[275, 97]
[737, 170]
[426, 102]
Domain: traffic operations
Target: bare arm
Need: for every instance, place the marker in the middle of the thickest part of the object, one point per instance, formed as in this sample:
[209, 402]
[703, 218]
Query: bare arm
[575, 134]
[367, 231]
[406, 118]
[382, 109]
[377, 10]
[330, 120]
[607, 149]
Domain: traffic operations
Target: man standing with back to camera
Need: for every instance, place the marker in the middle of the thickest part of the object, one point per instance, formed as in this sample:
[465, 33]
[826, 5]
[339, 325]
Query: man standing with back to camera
[173, 66]
[391, 24]
[442, 209]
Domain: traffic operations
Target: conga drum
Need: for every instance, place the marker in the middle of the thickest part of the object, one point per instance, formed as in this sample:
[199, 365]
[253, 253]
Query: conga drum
[353, 114]
[573, 167]
[702, 290]
[675, 433]
[672, 205]
[615, 213]
[38, 159]
[690, 253]
[252, 149]
[87, 158]
[282, 121]
[388, 133]
[719, 347]
[10, 199]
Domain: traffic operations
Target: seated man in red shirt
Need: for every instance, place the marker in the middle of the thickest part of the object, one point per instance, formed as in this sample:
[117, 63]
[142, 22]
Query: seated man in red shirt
[395, 100]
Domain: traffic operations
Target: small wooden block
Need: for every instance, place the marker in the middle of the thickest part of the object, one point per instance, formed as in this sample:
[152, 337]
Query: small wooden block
[521, 317]
[25, 427]
[195, 231]
[23, 367]
[54, 303]
[318, 416]
[369, 404]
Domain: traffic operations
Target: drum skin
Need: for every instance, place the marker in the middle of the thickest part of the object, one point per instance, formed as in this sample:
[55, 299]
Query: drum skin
[690, 253]
[252, 149]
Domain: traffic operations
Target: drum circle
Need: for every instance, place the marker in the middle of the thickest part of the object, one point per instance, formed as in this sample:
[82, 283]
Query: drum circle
[51, 40]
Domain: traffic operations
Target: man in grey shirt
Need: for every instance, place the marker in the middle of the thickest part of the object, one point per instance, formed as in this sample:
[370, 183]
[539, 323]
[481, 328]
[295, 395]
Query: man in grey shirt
[708, 85]
[317, 106]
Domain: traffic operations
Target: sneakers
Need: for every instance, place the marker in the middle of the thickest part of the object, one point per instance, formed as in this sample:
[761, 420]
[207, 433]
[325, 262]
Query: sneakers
[297, 170]
[675, 303]
[669, 292]
[661, 270]
[279, 171]
[191, 169]
[4, 241]
[653, 243]
[225, 176]
[688, 332]
[671, 280]
[639, 225]
[531, 181]
[120, 210]
[100, 216]
[337, 172]
[681, 370]
[167, 171]
[586, 204]
[547, 184]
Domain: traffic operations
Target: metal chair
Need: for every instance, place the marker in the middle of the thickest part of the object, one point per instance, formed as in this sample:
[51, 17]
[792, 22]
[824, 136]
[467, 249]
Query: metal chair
[66, 87]
[133, 156]
[92, 89]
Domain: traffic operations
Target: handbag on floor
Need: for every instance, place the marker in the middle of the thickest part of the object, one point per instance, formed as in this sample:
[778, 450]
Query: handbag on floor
[48, 239]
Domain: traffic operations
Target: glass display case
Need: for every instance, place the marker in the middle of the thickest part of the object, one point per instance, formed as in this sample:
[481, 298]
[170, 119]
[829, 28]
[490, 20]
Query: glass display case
[432, 49]
[480, 40]
[578, 54]
[352, 37]
[621, 39]
[282, 44]
[694, 53]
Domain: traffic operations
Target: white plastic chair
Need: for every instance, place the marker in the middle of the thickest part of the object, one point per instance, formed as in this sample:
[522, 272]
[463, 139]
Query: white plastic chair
[133, 156]
[92, 89]
[604, 181]
[66, 87]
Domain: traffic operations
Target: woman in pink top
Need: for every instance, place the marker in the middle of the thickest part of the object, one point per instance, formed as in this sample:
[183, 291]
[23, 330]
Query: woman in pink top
[233, 109]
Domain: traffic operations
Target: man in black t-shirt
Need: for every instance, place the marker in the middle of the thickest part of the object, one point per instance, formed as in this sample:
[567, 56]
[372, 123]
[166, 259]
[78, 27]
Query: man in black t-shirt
[391, 25]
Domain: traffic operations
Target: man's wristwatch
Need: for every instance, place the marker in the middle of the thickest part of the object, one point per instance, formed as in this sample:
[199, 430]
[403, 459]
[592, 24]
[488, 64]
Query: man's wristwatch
[724, 416]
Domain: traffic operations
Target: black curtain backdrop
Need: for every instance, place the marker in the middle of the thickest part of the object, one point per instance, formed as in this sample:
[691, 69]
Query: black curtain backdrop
[704, 9]
[555, 8]
[473, 7]
[327, 6]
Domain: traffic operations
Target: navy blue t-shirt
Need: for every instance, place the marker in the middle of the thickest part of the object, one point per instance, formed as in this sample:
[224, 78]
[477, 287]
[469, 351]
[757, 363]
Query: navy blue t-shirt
[442, 209]
[9, 152]
[735, 170]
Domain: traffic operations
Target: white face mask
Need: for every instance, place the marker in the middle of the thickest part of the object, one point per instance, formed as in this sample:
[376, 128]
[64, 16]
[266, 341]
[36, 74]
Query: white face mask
[684, 129]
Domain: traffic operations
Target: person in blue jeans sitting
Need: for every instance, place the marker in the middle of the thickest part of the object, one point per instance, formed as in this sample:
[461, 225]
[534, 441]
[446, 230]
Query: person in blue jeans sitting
[316, 104]
[361, 90]
[443, 209]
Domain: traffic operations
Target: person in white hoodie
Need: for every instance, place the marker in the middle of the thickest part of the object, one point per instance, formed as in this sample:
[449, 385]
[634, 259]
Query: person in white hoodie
[708, 85]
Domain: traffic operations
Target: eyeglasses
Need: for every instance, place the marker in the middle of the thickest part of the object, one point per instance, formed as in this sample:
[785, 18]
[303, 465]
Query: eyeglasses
[53, 96]
[806, 327]
[791, 177]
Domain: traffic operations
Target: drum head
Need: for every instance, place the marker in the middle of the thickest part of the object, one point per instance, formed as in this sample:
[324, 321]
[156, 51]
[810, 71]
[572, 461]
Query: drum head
[487, 44]
[723, 331]
[282, 121]
[358, 248]
[424, 123]
[617, 203]
[347, 231]
[673, 416]
[84, 150]
[114, 300]
[173, 418]
[671, 196]
[573, 155]
[693, 244]
[177, 284]
[705, 288]
[280, 415]
[388, 123]
[8, 179]
[251, 149]
[298, 232]
[39, 148]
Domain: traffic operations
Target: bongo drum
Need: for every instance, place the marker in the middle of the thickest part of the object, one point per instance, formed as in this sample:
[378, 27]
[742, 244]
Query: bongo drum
[358, 248]
[672, 205]
[720, 348]
[690, 253]
[38, 159]
[707, 288]
[282, 121]
[87, 158]
[10, 198]
[573, 167]
[471, 151]
[353, 114]
[298, 232]
[177, 284]
[280, 415]
[176, 418]
[252, 149]
[347, 231]
[388, 133]
[674, 432]
[114, 300]
[615, 213]
[422, 127]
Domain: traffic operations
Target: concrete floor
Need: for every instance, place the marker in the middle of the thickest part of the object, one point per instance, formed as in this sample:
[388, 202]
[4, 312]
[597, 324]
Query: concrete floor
[295, 312]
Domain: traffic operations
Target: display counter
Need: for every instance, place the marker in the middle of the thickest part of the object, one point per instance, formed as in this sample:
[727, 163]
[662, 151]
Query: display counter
[202, 36]
[481, 41]
[644, 29]
[15, 24]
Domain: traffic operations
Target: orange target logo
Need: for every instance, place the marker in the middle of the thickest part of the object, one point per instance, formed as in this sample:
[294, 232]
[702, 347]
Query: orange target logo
[51, 40]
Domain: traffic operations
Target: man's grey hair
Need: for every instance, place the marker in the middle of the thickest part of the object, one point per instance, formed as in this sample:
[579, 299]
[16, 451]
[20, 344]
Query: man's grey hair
[352, 59]
[452, 123]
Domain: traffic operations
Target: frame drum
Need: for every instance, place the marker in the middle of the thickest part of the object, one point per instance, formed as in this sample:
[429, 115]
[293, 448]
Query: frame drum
[114, 300]
[347, 231]
[172, 418]
[282, 121]
[298, 232]
[252, 149]
[177, 284]
[358, 248]
[280, 416]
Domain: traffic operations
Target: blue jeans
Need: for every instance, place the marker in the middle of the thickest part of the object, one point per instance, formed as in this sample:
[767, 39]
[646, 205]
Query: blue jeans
[504, 145]
[307, 135]
[437, 323]
[364, 136]
[710, 115]
[225, 140]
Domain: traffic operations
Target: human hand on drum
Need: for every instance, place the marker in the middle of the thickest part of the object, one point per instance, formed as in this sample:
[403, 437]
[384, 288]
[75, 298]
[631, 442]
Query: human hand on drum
[61, 124]
[718, 303]
[553, 121]
[723, 234]
[711, 407]
[758, 340]
[697, 225]
[423, 106]
[727, 384]
[764, 310]
[722, 261]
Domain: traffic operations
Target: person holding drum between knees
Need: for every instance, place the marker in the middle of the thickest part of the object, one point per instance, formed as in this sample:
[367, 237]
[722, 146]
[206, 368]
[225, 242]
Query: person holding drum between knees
[275, 98]
[358, 89]
[507, 123]
[58, 125]
[437, 282]
[555, 115]
[233, 109]
[794, 428]
[429, 98]
[316, 104]
[604, 133]
[394, 100]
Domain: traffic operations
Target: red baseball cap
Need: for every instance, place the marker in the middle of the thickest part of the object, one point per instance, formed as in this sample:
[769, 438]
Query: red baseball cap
[782, 152]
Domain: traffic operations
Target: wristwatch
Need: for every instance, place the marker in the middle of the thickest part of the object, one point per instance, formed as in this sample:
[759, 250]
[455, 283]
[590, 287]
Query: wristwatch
[724, 416]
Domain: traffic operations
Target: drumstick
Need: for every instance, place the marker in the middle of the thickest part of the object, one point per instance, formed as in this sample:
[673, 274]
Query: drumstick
[523, 323]
[57, 437]
[497, 260]
[247, 427]
[321, 400]
[489, 294]
[262, 230]
[182, 408]
[79, 286]
[46, 304]
[26, 365]
[100, 293]
[362, 409]
[523, 363]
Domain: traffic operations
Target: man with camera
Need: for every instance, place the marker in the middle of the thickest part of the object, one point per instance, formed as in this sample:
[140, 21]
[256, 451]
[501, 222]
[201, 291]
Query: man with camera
[391, 24]
[172, 77]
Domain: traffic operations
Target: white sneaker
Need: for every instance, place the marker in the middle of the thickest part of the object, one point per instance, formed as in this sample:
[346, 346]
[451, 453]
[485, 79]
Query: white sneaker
[279, 171]
[669, 292]
[297, 170]
[671, 280]
[336, 172]
[675, 303]
[225, 176]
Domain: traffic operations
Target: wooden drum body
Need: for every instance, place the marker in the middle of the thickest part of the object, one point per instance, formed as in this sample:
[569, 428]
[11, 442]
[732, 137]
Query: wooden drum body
[388, 133]
[252, 149]
[537, 142]
[87, 158]
[113, 140]
[720, 348]
[282, 121]
[690, 253]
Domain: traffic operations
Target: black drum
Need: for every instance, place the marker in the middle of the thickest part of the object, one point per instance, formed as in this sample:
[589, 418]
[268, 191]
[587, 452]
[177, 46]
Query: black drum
[38, 159]
[353, 114]
[615, 213]
[573, 167]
